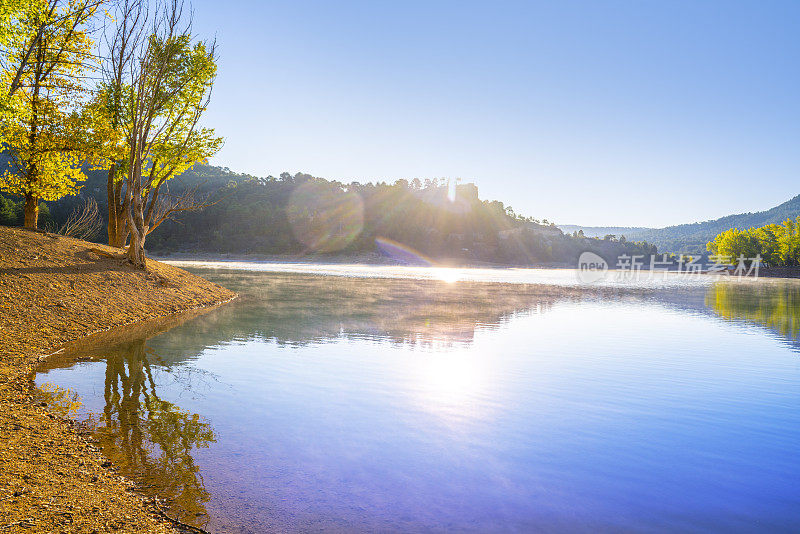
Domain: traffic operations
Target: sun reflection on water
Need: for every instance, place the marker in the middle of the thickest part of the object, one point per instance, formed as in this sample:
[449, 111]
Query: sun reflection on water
[448, 384]
[448, 274]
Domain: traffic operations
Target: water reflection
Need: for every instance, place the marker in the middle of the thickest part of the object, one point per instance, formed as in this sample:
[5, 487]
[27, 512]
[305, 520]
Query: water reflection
[151, 440]
[150, 435]
[774, 304]
[297, 310]
[154, 441]
[398, 404]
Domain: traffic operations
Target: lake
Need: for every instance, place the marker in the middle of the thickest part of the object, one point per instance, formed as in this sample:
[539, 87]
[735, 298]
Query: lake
[360, 399]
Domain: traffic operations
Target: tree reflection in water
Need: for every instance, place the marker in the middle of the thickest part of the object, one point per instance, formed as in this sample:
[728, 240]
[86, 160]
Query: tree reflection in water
[292, 309]
[774, 304]
[150, 439]
[153, 441]
[156, 443]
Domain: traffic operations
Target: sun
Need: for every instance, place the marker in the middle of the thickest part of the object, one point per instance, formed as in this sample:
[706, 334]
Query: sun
[446, 274]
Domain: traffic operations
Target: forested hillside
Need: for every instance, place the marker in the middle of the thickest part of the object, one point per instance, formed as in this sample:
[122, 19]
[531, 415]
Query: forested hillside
[300, 214]
[289, 214]
[602, 231]
[692, 238]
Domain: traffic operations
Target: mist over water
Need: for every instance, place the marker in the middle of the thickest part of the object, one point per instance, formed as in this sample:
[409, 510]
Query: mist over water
[343, 398]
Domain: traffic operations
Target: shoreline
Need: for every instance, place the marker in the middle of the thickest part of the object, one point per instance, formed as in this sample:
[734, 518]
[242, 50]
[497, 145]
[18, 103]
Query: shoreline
[377, 260]
[371, 258]
[57, 291]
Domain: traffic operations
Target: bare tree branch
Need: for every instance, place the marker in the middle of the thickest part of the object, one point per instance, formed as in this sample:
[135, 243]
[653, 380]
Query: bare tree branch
[84, 222]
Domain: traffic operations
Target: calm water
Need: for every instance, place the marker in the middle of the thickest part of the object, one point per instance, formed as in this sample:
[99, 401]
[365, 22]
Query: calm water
[400, 399]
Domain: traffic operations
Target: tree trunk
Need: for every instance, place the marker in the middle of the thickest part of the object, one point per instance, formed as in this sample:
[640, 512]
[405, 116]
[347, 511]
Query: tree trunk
[113, 237]
[137, 228]
[117, 208]
[31, 211]
[136, 250]
[117, 229]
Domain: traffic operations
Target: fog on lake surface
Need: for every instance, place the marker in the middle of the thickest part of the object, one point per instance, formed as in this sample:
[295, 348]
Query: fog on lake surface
[357, 398]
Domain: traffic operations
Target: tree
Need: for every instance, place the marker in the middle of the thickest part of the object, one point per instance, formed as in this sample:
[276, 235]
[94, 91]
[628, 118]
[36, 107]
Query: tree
[170, 88]
[121, 43]
[777, 244]
[16, 42]
[769, 243]
[789, 242]
[733, 243]
[45, 130]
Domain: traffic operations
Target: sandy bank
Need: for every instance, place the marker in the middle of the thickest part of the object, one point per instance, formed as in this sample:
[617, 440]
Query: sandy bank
[54, 290]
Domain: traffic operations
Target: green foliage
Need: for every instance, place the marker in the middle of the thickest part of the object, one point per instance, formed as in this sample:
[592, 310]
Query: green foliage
[276, 216]
[12, 213]
[176, 100]
[778, 244]
[252, 215]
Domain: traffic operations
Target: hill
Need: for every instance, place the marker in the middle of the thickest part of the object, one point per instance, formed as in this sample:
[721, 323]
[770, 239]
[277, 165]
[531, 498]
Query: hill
[265, 216]
[411, 221]
[693, 237]
[601, 231]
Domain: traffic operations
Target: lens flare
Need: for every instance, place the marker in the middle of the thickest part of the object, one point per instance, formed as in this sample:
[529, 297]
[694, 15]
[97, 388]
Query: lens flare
[323, 217]
[401, 253]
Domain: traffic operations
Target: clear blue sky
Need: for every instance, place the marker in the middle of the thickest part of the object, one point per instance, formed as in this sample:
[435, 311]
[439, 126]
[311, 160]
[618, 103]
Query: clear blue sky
[594, 113]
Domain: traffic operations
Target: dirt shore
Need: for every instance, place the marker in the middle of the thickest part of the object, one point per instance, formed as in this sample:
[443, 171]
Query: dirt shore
[54, 290]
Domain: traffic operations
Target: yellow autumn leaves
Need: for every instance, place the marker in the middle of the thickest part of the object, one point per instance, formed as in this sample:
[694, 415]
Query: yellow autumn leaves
[44, 126]
[132, 106]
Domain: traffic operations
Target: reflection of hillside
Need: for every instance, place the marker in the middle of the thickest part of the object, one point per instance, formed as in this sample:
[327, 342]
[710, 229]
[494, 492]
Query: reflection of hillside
[147, 437]
[773, 304]
[153, 441]
[298, 309]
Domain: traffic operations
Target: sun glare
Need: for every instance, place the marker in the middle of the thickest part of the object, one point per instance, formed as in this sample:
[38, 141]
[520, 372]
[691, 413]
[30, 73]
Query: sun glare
[446, 274]
[448, 384]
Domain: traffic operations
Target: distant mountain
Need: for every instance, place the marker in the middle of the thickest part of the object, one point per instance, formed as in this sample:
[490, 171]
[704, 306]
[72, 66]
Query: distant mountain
[693, 237]
[602, 231]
